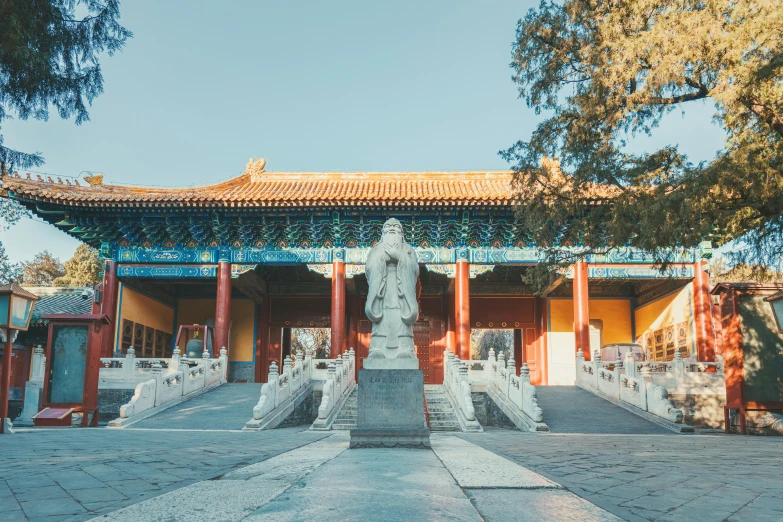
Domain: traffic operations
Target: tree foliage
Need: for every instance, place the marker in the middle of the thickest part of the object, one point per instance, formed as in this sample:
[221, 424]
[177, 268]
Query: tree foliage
[723, 272]
[42, 270]
[49, 58]
[316, 339]
[83, 269]
[605, 71]
[8, 270]
[502, 341]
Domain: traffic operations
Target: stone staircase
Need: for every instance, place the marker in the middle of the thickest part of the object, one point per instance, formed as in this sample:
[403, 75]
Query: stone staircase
[346, 419]
[442, 415]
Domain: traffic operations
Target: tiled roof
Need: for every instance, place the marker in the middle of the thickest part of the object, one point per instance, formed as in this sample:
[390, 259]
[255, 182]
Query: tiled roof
[269, 189]
[18, 290]
[60, 300]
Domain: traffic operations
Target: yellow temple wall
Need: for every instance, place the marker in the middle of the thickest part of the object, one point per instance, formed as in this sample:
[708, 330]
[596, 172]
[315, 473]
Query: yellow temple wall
[196, 311]
[617, 328]
[672, 313]
[139, 308]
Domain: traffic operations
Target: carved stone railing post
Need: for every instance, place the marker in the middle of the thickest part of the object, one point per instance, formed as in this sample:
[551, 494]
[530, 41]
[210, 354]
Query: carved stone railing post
[491, 354]
[678, 367]
[205, 353]
[630, 364]
[511, 364]
[524, 373]
[129, 364]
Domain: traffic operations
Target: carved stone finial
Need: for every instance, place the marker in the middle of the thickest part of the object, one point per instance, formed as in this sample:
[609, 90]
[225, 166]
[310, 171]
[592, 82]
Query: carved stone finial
[94, 181]
[255, 166]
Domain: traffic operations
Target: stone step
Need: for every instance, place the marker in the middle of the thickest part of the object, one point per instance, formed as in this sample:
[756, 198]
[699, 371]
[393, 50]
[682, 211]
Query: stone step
[345, 426]
[449, 416]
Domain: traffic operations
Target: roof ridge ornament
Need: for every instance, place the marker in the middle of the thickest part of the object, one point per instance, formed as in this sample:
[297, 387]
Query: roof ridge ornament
[255, 167]
[94, 181]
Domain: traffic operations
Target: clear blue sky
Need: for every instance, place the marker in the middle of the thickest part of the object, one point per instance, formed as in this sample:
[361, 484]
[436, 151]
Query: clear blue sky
[310, 86]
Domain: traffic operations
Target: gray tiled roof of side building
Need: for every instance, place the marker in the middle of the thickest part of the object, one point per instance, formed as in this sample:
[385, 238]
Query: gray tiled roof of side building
[60, 300]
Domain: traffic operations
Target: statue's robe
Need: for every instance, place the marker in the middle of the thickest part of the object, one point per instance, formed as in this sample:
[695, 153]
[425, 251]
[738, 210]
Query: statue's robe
[391, 301]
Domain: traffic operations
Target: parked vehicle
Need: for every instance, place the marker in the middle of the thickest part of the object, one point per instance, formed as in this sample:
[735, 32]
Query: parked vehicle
[617, 351]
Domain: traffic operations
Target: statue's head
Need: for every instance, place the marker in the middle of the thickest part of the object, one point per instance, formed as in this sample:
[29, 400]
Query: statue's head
[392, 232]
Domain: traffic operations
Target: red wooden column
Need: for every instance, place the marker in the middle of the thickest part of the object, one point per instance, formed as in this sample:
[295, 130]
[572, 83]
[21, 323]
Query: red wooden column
[462, 310]
[581, 309]
[352, 339]
[262, 341]
[5, 380]
[542, 376]
[111, 290]
[338, 307]
[702, 308]
[451, 337]
[222, 307]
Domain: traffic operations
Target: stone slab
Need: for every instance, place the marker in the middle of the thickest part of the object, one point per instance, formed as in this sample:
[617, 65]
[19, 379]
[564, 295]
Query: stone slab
[377, 485]
[390, 410]
[391, 364]
[474, 467]
[510, 505]
[390, 438]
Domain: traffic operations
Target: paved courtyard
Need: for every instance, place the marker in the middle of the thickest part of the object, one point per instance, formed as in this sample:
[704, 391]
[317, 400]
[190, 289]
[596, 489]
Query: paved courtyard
[291, 474]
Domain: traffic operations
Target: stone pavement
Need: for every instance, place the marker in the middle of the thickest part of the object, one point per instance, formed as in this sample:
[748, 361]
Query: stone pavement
[227, 407]
[570, 409]
[291, 474]
[74, 474]
[458, 481]
[656, 477]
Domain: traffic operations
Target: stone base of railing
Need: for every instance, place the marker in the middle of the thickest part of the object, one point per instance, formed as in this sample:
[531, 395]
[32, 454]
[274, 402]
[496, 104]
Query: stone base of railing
[471, 426]
[519, 418]
[125, 422]
[279, 414]
[326, 424]
[660, 421]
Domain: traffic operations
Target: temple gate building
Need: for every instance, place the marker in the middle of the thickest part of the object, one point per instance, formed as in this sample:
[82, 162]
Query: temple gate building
[268, 252]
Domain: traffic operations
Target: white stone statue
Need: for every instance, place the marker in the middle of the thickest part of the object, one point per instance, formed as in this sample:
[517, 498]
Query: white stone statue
[392, 271]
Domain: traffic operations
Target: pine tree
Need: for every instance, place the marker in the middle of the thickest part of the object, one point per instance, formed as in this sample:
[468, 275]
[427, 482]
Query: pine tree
[604, 71]
[49, 57]
[83, 269]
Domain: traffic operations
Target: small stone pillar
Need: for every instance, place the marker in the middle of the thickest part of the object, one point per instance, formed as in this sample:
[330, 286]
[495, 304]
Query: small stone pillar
[33, 388]
[524, 373]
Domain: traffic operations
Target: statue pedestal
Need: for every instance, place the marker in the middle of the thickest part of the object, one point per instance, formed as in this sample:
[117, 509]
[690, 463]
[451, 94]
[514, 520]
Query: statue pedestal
[391, 409]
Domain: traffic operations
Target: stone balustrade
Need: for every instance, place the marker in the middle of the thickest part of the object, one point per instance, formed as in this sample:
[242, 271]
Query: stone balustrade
[511, 392]
[285, 389]
[648, 386]
[340, 380]
[158, 381]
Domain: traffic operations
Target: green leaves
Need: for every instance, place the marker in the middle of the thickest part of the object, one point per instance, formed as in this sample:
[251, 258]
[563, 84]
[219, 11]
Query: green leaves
[607, 70]
[49, 57]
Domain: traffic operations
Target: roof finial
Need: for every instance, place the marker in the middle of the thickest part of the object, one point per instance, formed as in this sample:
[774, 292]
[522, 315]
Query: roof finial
[255, 167]
[94, 180]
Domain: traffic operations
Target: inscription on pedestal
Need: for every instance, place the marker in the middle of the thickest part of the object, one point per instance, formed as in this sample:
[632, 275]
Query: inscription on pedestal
[390, 409]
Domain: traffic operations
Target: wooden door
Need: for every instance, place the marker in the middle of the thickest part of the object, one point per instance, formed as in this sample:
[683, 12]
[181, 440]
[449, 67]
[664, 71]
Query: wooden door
[421, 339]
